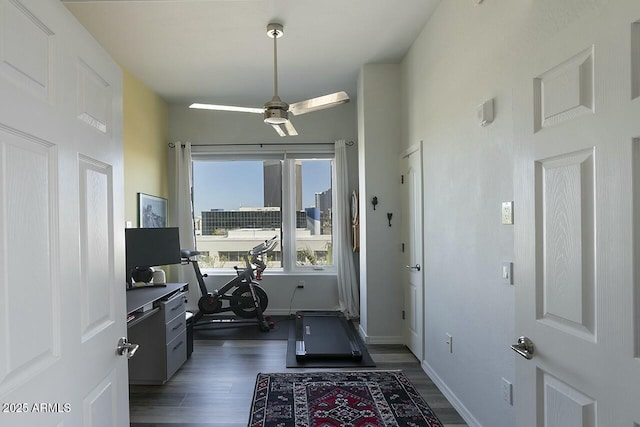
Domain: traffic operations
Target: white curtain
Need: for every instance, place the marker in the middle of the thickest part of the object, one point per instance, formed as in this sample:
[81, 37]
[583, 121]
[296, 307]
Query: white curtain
[181, 212]
[348, 287]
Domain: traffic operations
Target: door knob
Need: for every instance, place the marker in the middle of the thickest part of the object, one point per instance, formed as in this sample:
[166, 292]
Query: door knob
[524, 347]
[125, 348]
[413, 267]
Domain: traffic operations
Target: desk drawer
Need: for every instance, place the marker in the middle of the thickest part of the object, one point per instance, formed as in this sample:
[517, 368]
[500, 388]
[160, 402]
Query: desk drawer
[173, 307]
[176, 353]
[176, 327]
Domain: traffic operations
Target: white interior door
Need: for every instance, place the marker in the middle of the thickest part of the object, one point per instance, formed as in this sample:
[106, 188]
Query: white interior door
[411, 229]
[62, 293]
[576, 132]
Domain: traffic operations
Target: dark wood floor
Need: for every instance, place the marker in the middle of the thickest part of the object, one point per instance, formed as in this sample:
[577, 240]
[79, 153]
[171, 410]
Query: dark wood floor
[215, 386]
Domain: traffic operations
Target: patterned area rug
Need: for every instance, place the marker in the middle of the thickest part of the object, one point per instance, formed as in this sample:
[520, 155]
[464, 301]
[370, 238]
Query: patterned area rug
[340, 399]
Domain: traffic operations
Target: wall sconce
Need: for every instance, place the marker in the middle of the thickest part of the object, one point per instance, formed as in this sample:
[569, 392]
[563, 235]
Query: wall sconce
[374, 202]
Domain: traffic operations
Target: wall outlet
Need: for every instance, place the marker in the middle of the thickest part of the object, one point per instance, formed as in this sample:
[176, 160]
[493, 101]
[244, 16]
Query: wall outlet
[449, 342]
[507, 391]
[301, 284]
[507, 213]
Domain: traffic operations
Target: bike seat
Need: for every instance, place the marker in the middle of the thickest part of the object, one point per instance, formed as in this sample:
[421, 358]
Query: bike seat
[185, 253]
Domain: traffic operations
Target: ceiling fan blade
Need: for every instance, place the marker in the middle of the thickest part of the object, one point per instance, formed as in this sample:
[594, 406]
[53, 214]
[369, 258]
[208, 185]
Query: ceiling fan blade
[319, 103]
[285, 129]
[290, 129]
[280, 130]
[227, 108]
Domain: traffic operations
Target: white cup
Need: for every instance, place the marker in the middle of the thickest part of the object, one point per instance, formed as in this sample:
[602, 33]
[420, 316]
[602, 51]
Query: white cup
[159, 277]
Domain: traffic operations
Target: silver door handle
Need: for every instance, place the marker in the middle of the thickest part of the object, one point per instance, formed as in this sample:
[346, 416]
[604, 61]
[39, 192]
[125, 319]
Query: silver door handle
[524, 348]
[413, 267]
[125, 348]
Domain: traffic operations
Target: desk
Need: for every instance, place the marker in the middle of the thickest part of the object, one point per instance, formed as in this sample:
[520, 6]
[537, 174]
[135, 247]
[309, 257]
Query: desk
[139, 297]
[160, 331]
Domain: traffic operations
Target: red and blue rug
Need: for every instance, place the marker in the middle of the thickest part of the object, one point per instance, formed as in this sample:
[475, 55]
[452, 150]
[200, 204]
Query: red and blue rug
[339, 399]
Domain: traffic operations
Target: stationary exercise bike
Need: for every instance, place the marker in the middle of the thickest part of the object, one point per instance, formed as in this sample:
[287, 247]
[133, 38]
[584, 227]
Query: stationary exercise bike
[242, 295]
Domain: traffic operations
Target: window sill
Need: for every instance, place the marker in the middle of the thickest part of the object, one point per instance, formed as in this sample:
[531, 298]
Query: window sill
[276, 272]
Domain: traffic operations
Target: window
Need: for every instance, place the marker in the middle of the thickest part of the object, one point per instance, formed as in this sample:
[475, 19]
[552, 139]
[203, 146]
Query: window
[313, 239]
[241, 200]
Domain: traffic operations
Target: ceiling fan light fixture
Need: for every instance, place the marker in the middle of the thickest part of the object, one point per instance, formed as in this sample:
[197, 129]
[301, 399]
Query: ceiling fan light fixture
[275, 116]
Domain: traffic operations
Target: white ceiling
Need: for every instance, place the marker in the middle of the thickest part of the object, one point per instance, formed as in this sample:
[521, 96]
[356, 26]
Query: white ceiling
[217, 51]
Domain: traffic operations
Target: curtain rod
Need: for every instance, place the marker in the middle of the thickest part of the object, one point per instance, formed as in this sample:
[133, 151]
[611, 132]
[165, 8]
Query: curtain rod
[172, 145]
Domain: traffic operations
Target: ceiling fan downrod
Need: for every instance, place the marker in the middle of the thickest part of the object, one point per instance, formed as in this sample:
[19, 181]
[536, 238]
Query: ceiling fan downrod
[275, 31]
[275, 111]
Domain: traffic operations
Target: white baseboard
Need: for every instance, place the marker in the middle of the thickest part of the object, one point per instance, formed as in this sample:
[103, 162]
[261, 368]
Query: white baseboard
[379, 339]
[451, 397]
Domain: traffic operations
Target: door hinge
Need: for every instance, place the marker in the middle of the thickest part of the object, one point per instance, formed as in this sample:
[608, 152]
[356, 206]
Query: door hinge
[401, 179]
[402, 314]
[403, 248]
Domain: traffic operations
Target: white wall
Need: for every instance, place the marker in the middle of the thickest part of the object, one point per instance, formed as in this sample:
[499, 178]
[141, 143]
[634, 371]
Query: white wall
[460, 60]
[213, 127]
[378, 151]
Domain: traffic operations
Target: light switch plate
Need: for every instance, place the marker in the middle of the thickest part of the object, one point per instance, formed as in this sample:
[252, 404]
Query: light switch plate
[507, 391]
[507, 213]
[507, 272]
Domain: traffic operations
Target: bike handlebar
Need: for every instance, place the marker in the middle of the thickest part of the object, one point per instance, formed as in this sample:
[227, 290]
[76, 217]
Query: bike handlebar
[256, 255]
[266, 246]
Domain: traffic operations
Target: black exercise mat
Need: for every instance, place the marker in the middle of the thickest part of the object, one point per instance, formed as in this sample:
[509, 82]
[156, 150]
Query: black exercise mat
[250, 331]
[365, 362]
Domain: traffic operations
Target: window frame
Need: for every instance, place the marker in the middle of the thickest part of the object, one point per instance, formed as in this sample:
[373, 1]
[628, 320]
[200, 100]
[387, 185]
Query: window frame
[288, 154]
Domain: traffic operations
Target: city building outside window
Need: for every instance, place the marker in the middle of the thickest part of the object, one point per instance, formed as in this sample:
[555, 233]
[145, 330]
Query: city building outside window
[239, 203]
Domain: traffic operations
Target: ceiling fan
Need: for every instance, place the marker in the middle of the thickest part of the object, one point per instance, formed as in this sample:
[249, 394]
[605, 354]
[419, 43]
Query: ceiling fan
[276, 112]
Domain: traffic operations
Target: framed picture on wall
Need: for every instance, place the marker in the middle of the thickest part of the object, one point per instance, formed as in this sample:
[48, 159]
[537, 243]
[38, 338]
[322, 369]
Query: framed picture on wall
[152, 211]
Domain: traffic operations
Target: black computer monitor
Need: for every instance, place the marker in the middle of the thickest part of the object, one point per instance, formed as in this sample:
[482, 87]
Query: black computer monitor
[148, 247]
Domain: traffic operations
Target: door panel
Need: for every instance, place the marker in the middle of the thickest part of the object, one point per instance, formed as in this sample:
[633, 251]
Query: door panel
[565, 91]
[61, 222]
[27, 49]
[575, 122]
[565, 406]
[96, 249]
[411, 229]
[94, 98]
[27, 220]
[98, 406]
[565, 206]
